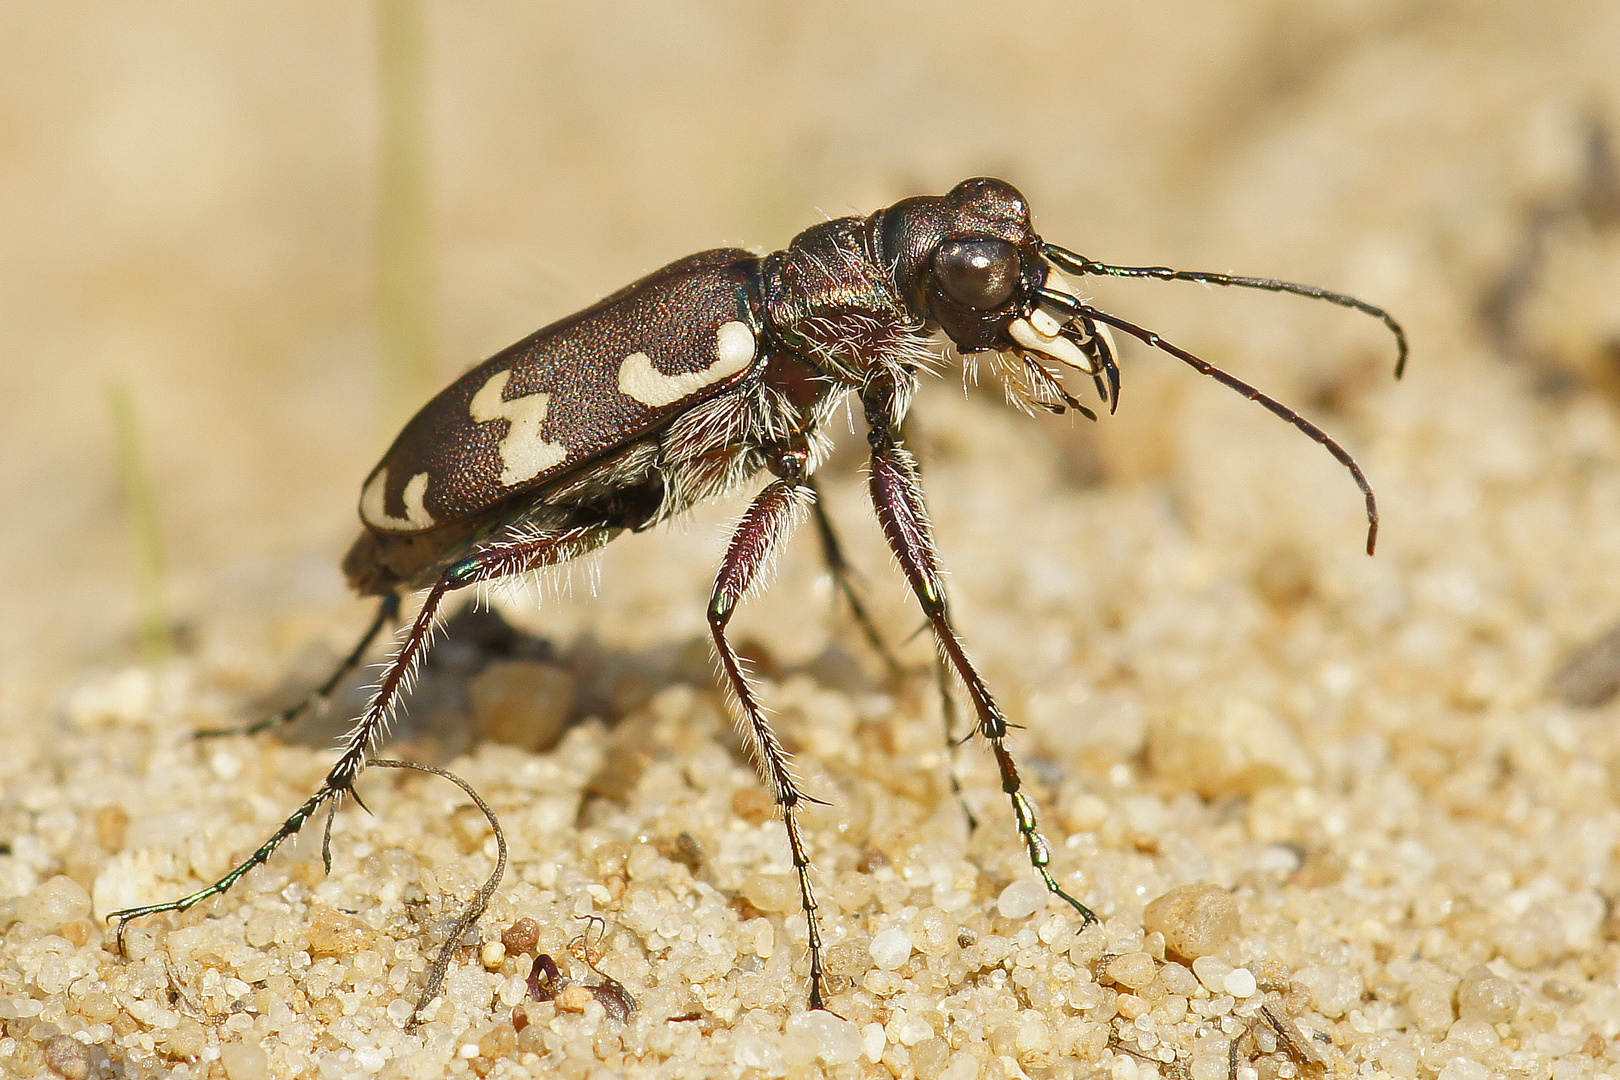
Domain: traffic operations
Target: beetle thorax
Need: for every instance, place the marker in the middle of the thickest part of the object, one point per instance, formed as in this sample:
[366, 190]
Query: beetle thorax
[833, 301]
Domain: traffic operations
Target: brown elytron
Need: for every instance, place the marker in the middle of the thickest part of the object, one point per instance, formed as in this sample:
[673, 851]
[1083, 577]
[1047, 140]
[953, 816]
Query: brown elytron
[701, 376]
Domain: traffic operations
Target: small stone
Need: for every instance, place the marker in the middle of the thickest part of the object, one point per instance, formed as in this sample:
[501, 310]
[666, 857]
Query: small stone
[1086, 813]
[932, 933]
[772, 893]
[574, 998]
[1196, 920]
[1034, 1036]
[1461, 1068]
[244, 1061]
[522, 702]
[1209, 1060]
[1473, 1038]
[1430, 1006]
[1178, 979]
[1226, 747]
[890, 948]
[332, 933]
[55, 902]
[753, 805]
[1212, 973]
[929, 1058]
[1170, 1009]
[837, 1041]
[914, 1030]
[521, 937]
[1482, 995]
[185, 1039]
[1399, 1058]
[1335, 989]
[20, 1008]
[1021, 899]
[1240, 983]
[98, 1008]
[68, 1056]
[79, 931]
[880, 983]
[1590, 675]
[498, 1042]
[492, 955]
[110, 823]
[1133, 970]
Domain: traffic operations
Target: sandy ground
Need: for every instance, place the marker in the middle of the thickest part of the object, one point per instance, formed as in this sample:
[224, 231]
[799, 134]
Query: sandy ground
[1391, 795]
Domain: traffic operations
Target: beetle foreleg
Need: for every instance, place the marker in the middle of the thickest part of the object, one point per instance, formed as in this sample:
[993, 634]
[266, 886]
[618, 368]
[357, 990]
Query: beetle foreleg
[769, 521]
[843, 576]
[898, 500]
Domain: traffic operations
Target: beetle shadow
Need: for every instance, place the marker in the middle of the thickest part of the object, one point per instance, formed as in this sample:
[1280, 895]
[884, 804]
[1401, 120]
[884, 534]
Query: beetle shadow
[485, 679]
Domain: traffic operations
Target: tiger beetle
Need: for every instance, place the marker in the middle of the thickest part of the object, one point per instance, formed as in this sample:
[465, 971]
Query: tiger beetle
[705, 373]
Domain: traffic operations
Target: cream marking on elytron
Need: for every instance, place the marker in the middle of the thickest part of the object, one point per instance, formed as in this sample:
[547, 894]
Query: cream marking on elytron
[525, 453]
[733, 350]
[416, 516]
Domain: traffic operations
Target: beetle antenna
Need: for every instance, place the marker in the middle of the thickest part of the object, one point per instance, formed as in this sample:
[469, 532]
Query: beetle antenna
[1079, 264]
[1085, 311]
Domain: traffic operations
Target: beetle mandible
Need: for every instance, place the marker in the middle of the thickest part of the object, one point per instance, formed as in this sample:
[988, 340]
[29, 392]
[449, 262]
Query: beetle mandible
[702, 375]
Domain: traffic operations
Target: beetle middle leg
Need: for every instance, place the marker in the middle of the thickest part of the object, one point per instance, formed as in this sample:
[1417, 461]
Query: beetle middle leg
[769, 520]
[516, 555]
[843, 580]
[898, 499]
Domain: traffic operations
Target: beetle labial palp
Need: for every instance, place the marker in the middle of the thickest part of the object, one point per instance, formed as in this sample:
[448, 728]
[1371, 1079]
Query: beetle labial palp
[703, 375]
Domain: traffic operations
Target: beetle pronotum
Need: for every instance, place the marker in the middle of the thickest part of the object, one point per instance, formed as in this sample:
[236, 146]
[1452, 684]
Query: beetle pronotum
[698, 377]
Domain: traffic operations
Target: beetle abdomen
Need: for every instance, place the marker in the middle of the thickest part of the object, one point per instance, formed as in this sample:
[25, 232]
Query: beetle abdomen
[571, 393]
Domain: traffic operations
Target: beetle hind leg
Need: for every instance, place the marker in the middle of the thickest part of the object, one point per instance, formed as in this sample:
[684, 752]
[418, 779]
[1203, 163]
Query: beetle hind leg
[316, 700]
[514, 555]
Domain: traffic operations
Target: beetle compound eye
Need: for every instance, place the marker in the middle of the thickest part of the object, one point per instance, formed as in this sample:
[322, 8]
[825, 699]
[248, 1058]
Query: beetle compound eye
[979, 273]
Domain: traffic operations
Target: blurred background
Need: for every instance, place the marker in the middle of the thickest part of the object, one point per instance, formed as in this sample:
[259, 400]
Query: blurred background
[239, 244]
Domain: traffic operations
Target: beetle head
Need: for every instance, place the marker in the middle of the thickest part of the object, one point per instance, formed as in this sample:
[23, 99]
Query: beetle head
[971, 262]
